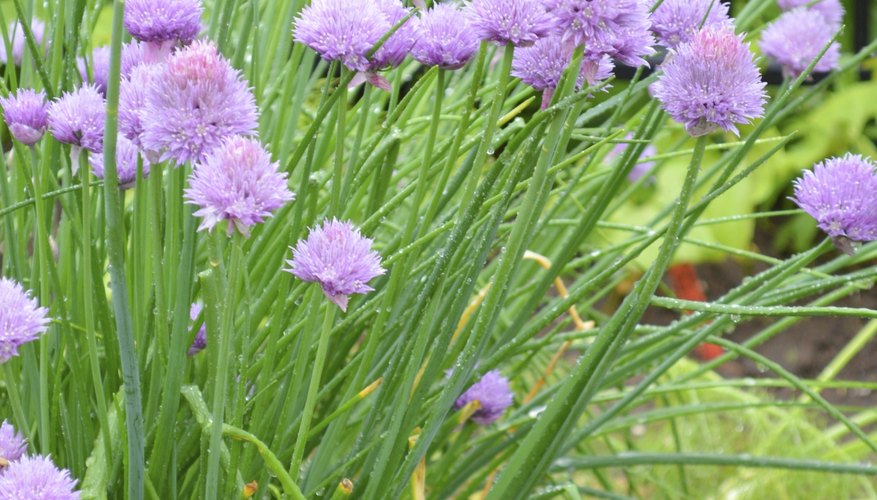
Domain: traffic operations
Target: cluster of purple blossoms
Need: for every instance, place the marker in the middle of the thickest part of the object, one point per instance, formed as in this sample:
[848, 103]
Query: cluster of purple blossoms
[542, 65]
[26, 114]
[711, 82]
[516, 22]
[132, 100]
[19, 42]
[337, 257]
[676, 21]
[126, 163]
[12, 444]
[36, 477]
[494, 395]
[839, 194]
[77, 118]
[797, 37]
[444, 38]
[199, 343]
[162, 24]
[22, 320]
[831, 10]
[238, 183]
[342, 30]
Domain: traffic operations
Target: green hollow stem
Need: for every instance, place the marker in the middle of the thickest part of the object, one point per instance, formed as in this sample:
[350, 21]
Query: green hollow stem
[335, 202]
[14, 393]
[427, 157]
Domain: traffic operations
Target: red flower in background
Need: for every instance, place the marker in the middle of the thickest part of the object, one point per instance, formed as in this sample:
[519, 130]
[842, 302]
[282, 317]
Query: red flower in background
[686, 286]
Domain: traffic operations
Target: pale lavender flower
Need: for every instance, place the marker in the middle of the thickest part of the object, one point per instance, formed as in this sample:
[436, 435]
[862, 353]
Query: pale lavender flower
[342, 30]
[132, 101]
[444, 38]
[12, 444]
[641, 168]
[516, 22]
[195, 102]
[19, 42]
[126, 163]
[618, 28]
[542, 65]
[22, 320]
[494, 394]
[99, 63]
[796, 38]
[36, 478]
[394, 50]
[237, 182]
[831, 10]
[133, 55]
[200, 341]
[160, 21]
[839, 194]
[77, 118]
[26, 114]
[337, 257]
[711, 82]
[676, 21]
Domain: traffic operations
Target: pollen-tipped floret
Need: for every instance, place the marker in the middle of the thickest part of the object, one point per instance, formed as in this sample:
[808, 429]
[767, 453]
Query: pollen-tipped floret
[494, 395]
[237, 182]
[12, 443]
[126, 163]
[77, 118]
[618, 28]
[195, 102]
[444, 37]
[199, 343]
[19, 42]
[516, 22]
[796, 38]
[158, 21]
[839, 194]
[26, 114]
[342, 30]
[36, 478]
[337, 257]
[831, 10]
[676, 21]
[711, 82]
[22, 320]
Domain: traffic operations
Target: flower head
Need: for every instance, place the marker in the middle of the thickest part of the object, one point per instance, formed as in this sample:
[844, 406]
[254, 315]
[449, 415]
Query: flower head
[676, 21]
[337, 257]
[22, 320]
[132, 101]
[494, 394]
[133, 55]
[342, 30]
[711, 82]
[77, 118]
[237, 182]
[831, 10]
[36, 478]
[641, 168]
[618, 28]
[12, 443]
[195, 102]
[542, 65]
[26, 114]
[126, 163]
[18, 41]
[394, 50]
[796, 38]
[99, 63]
[518, 22]
[158, 21]
[839, 194]
[444, 37]
[200, 341]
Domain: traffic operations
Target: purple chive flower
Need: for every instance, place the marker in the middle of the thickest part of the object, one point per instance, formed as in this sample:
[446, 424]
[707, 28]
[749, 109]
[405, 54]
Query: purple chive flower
[126, 163]
[542, 65]
[518, 22]
[839, 194]
[195, 102]
[641, 168]
[36, 478]
[132, 100]
[618, 28]
[796, 38]
[237, 182]
[444, 38]
[394, 50]
[494, 394]
[12, 444]
[77, 118]
[200, 341]
[133, 55]
[22, 319]
[676, 21]
[99, 63]
[18, 41]
[342, 30]
[337, 257]
[711, 82]
[162, 24]
[831, 10]
[26, 114]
